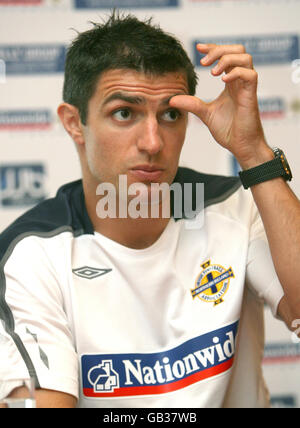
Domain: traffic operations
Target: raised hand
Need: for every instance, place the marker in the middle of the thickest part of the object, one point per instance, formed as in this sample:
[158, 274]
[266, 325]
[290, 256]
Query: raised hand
[233, 117]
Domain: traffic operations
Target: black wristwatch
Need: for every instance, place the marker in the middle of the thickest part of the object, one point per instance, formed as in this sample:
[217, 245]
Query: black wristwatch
[277, 167]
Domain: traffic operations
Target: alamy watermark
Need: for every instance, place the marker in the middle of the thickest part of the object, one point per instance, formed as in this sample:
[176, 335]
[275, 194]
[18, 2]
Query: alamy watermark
[155, 200]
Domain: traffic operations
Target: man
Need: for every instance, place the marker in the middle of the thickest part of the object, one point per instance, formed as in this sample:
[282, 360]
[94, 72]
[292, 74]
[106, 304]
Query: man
[119, 311]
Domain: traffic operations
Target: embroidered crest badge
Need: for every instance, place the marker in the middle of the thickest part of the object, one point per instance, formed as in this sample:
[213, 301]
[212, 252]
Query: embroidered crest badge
[212, 283]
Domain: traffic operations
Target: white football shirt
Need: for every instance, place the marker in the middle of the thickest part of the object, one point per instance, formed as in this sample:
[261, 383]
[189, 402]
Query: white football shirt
[177, 324]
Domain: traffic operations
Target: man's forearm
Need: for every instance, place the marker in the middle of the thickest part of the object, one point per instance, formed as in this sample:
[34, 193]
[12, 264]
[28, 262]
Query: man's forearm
[280, 212]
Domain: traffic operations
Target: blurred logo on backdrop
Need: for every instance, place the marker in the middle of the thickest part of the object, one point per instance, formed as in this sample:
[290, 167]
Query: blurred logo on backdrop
[40, 4]
[271, 107]
[33, 58]
[39, 119]
[295, 106]
[281, 352]
[22, 185]
[107, 4]
[20, 2]
[285, 401]
[265, 50]
[2, 71]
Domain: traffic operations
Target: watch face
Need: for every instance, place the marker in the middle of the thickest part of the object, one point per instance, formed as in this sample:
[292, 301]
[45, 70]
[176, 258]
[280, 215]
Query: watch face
[279, 153]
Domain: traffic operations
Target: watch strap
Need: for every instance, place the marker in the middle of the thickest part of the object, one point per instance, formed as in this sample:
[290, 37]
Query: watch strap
[259, 174]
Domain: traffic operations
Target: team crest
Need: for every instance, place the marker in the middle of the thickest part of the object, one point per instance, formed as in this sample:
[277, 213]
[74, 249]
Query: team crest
[212, 283]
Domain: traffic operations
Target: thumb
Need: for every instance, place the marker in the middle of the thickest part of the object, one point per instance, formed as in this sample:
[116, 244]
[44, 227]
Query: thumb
[190, 104]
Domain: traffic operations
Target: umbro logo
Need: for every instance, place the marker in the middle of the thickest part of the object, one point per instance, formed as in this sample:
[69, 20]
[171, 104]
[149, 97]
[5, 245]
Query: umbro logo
[90, 272]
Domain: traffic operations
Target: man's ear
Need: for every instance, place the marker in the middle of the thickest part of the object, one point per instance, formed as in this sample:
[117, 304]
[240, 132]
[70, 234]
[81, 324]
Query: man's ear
[70, 118]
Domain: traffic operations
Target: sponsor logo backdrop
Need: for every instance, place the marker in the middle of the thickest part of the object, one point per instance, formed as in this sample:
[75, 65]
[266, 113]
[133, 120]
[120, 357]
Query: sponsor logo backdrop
[37, 156]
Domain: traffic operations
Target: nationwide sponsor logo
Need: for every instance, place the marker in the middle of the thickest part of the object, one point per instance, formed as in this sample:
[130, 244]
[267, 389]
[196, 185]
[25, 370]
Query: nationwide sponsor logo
[33, 59]
[90, 272]
[212, 283]
[135, 374]
[103, 377]
[265, 49]
[22, 185]
[25, 120]
[107, 4]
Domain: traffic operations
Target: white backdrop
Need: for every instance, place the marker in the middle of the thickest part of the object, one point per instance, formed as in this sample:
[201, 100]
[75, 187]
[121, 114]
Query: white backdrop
[37, 156]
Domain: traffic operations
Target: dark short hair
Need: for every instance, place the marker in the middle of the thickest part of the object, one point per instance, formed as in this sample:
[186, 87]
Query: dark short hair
[122, 42]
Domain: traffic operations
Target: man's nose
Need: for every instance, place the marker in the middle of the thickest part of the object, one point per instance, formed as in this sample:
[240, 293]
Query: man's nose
[150, 139]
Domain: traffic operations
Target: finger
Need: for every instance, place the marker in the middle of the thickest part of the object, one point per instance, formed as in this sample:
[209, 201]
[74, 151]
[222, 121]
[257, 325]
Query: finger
[214, 52]
[204, 47]
[227, 62]
[190, 104]
[248, 76]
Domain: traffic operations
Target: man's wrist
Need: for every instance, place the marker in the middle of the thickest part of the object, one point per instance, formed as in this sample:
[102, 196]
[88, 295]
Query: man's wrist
[264, 155]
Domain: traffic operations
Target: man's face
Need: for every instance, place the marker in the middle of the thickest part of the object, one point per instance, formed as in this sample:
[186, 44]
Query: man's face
[132, 130]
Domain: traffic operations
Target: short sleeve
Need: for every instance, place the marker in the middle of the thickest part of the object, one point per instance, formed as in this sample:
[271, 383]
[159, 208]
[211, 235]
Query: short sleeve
[35, 335]
[261, 276]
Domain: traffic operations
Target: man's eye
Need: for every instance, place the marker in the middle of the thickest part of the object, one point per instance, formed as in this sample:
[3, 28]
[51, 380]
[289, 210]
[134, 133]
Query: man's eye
[122, 114]
[171, 115]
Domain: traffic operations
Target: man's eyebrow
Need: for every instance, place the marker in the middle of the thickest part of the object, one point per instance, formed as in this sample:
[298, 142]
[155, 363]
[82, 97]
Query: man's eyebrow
[134, 99]
[123, 97]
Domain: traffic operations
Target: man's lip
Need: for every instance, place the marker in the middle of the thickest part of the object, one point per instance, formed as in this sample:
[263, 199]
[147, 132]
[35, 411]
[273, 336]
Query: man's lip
[148, 168]
[147, 172]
